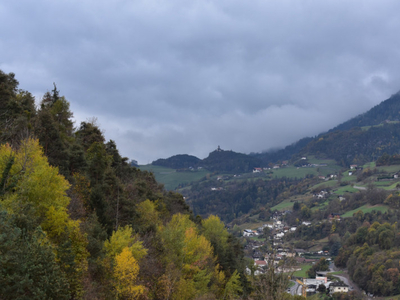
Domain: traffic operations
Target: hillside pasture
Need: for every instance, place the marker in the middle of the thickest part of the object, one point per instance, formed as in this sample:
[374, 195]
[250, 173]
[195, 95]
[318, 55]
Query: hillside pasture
[284, 205]
[366, 209]
[371, 165]
[302, 172]
[345, 189]
[389, 169]
[172, 178]
[326, 184]
[303, 272]
[313, 160]
[294, 172]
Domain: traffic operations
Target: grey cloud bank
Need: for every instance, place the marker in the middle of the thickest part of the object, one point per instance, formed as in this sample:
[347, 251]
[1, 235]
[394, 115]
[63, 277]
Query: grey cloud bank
[172, 77]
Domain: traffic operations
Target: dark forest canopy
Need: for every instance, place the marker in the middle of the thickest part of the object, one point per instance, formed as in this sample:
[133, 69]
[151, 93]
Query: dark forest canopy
[180, 161]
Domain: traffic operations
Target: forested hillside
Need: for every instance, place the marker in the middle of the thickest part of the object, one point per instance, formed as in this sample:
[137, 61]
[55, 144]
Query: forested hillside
[356, 145]
[359, 140]
[386, 110]
[218, 160]
[180, 161]
[78, 222]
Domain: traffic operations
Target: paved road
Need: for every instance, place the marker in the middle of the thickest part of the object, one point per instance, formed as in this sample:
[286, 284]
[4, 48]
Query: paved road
[345, 278]
[295, 290]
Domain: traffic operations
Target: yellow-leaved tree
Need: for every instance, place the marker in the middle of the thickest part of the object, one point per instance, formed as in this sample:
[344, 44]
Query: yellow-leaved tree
[126, 270]
[124, 238]
[35, 191]
[191, 270]
[123, 252]
[31, 180]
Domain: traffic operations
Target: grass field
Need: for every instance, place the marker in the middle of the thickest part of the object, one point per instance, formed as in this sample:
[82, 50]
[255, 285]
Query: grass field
[285, 205]
[329, 183]
[313, 160]
[370, 165]
[321, 205]
[383, 183]
[345, 189]
[292, 172]
[171, 178]
[318, 245]
[392, 186]
[303, 271]
[252, 226]
[395, 297]
[366, 209]
[389, 169]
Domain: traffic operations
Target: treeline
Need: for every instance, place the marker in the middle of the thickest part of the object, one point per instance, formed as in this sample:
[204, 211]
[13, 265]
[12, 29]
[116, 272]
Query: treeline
[180, 161]
[387, 160]
[234, 198]
[230, 161]
[386, 110]
[217, 161]
[356, 146]
[348, 143]
[78, 222]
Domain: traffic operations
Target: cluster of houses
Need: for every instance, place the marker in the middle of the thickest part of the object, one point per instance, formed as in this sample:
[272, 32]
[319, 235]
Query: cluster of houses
[321, 195]
[278, 228]
[312, 284]
[279, 254]
[259, 170]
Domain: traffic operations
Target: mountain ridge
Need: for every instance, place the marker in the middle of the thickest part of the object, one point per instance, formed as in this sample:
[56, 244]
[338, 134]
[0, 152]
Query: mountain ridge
[366, 136]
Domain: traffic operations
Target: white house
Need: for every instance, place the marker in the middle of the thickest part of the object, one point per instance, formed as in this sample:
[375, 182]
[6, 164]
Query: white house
[338, 287]
[248, 232]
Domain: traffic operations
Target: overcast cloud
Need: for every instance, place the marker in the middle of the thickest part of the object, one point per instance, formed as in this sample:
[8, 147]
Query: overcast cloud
[172, 77]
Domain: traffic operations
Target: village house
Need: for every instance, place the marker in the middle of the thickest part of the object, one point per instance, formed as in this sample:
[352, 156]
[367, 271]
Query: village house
[249, 232]
[338, 287]
[278, 225]
[217, 189]
[299, 252]
[278, 236]
[260, 263]
[334, 217]
[320, 195]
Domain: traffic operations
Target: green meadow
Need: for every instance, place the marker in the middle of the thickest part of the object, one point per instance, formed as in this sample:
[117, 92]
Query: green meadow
[366, 209]
[171, 178]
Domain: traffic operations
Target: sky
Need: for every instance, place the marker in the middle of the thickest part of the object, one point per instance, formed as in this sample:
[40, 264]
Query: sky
[182, 77]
